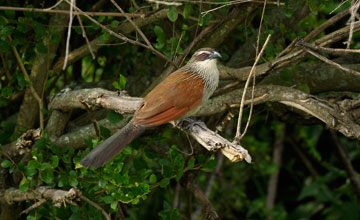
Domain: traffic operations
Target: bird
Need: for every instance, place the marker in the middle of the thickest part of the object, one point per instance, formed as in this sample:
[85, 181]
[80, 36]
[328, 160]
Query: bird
[178, 96]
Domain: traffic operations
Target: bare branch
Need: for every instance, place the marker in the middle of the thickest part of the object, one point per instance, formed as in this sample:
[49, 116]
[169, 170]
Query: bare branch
[328, 61]
[189, 182]
[353, 175]
[52, 11]
[32, 89]
[69, 33]
[106, 215]
[96, 44]
[85, 36]
[165, 3]
[277, 157]
[238, 130]
[123, 37]
[57, 196]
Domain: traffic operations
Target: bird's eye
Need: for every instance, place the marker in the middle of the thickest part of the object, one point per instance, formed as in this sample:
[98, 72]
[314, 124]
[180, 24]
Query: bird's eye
[203, 55]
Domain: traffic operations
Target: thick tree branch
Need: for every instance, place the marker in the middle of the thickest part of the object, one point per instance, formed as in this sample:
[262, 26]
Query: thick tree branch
[125, 104]
[57, 196]
[330, 113]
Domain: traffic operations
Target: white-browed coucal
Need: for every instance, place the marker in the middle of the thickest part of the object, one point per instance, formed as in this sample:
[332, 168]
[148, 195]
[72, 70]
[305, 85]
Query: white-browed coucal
[178, 96]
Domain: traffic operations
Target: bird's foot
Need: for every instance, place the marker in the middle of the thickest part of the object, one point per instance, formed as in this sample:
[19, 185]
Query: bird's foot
[188, 123]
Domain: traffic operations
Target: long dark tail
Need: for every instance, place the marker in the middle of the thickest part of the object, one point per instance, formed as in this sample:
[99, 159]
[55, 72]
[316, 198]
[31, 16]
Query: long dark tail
[112, 146]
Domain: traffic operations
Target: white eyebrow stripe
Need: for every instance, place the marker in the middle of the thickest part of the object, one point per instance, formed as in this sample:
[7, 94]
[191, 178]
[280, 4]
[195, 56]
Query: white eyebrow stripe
[203, 51]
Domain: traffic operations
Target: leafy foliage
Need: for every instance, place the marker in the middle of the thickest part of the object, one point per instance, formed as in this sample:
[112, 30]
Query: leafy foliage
[147, 180]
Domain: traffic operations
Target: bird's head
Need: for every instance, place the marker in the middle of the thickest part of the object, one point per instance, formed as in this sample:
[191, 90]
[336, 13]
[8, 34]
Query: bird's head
[204, 61]
[205, 55]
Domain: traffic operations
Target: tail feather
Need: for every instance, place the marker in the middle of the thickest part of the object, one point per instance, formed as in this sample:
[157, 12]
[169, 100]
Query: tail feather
[112, 146]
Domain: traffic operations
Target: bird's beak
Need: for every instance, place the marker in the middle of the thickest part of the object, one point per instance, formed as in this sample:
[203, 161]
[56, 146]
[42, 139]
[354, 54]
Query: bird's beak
[215, 54]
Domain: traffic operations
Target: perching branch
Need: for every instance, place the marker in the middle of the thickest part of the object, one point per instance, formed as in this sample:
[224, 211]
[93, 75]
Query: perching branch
[125, 104]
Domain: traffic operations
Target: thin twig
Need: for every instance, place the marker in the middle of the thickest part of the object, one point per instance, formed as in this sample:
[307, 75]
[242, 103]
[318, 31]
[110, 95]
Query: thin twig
[303, 157]
[337, 7]
[85, 36]
[54, 6]
[277, 157]
[165, 3]
[32, 89]
[121, 213]
[353, 9]
[354, 179]
[326, 24]
[238, 130]
[124, 38]
[220, 160]
[8, 76]
[34, 206]
[68, 34]
[196, 40]
[328, 61]
[289, 47]
[328, 50]
[94, 14]
[106, 215]
[254, 75]
[231, 2]
[133, 24]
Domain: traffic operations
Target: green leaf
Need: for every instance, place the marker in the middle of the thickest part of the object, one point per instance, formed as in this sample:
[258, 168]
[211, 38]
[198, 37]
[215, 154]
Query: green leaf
[179, 174]
[7, 92]
[6, 163]
[32, 164]
[187, 10]
[179, 162]
[41, 48]
[47, 176]
[116, 85]
[114, 23]
[211, 164]
[108, 199]
[191, 163]
[101, 60]
[54, 161]
[24, 184]
[76, 216]
[172, 14]
[30, 217]
[145, 187]
[201, 158]
[4, 46]
[114, 117]
[113, 205]
[164, 182]
[152, 179]
[160, 37]
[73, 182]
[122, 82]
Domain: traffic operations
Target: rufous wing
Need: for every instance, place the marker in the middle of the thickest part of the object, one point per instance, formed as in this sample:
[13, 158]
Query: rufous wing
[180, 92]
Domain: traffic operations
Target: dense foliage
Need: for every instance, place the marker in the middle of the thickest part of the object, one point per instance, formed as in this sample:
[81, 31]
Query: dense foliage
[161, 174]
